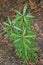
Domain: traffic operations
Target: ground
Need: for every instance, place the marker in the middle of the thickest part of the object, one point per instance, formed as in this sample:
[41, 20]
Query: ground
[7, 7]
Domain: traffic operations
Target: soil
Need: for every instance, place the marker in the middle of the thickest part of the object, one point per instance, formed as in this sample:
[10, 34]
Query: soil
[7, 7]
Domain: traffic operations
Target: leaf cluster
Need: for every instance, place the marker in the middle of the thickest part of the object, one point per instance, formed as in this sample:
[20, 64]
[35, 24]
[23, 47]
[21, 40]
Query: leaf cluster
[22, 35]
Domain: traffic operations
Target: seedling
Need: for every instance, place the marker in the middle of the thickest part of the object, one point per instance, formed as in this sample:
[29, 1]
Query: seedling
[22, 35]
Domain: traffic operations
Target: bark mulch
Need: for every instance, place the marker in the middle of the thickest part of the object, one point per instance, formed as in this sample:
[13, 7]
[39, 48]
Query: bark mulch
[7, 7]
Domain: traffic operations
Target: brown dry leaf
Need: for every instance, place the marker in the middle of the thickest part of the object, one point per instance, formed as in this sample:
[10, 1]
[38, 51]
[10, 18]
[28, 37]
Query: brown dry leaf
[37, 10]
[41, 4]
[36, 27]
[33, 6]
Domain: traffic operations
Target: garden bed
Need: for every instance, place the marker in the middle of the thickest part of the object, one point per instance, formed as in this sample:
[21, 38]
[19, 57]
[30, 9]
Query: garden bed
[7, 53]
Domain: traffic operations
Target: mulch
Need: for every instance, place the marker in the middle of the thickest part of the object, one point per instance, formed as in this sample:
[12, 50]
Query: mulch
[7, 7]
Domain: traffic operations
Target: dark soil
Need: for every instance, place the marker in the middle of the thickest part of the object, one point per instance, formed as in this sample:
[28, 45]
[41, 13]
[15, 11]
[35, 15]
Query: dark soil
[7, 7]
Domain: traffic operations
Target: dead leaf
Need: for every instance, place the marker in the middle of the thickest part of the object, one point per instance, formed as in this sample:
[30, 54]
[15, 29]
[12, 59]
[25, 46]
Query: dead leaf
[41, 4]
[33, 6]
[36, 27]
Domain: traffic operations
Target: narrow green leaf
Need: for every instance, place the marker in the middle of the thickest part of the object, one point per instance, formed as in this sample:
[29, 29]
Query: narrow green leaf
[5, 24]
[20, 23]
[24, 31]
[17, 12]
[9, 20]
[5, 29]
[17, 28]
[28, 41]
[30, 16]
[17, 18]
[30, 36]
[25, 8]
[15, 35]
[25, 20]
[17, 40]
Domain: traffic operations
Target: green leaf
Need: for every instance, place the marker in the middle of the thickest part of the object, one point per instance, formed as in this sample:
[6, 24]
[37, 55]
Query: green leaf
[30, 16]
[25, 8]
[17, 18]
[5, 24]
[17, 12]
[13, 35]
[7, 34]
[28, 41]
[25, 20]
[9, 20]
[31, 33]
[20, 23]
[17, 28]
[30, 36]
[17, 40]
[24, 31]
[5, 29]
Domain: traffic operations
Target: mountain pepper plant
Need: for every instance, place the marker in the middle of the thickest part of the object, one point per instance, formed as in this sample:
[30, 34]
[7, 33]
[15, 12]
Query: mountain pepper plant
[21, 33]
